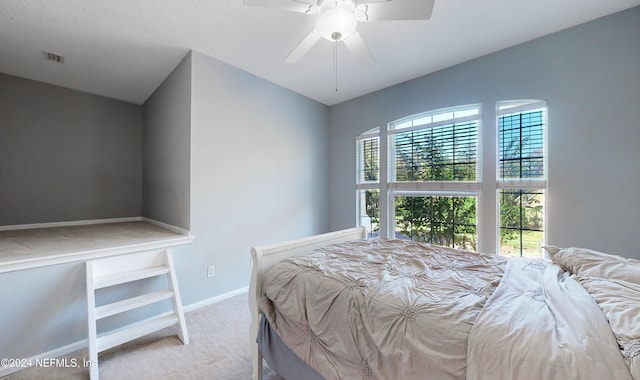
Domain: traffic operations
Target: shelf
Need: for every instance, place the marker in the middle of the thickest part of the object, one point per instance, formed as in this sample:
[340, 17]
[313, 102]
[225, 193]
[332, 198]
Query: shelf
[134, 331]
[132, 303]
[120, 278]
[39, 245]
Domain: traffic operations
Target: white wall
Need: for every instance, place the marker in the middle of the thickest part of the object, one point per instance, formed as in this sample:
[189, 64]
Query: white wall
[590, 76]
[258, 174]
[42, 309]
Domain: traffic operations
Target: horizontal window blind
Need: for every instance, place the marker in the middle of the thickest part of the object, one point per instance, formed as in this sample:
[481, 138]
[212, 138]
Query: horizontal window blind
[442, 146]
[521, 145]
[368, 150]
[445, 153]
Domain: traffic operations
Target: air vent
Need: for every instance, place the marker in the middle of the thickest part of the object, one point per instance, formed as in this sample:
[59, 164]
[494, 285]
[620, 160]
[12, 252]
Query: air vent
[53, 57]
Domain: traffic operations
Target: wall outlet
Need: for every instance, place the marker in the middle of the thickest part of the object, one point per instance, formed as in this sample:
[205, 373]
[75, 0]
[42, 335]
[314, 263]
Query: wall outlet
[211, 271]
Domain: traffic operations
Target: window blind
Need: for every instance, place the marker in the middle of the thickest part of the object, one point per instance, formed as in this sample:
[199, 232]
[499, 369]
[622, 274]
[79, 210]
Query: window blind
[368, 159]
[522, 145]
[439, 147]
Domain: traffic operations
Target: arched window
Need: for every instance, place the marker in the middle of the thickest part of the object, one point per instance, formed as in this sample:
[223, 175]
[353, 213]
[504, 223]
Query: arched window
[429, 188]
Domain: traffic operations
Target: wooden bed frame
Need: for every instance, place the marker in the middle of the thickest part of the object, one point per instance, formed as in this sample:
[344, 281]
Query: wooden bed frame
[265, 257]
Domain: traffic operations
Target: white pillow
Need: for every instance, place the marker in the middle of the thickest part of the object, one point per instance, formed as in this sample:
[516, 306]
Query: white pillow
[588, 263]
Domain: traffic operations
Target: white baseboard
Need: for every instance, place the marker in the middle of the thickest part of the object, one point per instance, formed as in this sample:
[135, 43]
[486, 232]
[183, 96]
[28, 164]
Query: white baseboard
[83, 344]
[166, 226]
[69, 223]
[72, 223]
[211, 301]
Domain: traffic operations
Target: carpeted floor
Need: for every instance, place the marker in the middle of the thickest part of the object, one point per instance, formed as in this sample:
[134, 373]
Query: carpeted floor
[219, 349]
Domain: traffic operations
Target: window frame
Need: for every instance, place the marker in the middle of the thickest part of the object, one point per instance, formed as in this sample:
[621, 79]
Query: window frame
[362, 185]
[429, 188]
[486, 187]
[509, 107]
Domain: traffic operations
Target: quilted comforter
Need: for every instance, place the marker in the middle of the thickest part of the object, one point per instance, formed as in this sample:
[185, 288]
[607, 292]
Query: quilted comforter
[397, 309]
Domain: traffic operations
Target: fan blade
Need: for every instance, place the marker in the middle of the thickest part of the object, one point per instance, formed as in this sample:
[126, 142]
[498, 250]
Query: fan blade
[299, 6]
[358, 2]
[395, 10]
[303, 47]
[359, 49]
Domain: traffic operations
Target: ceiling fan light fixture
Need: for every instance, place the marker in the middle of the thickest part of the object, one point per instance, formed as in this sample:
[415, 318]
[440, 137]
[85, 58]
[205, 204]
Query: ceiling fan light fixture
[336, 24]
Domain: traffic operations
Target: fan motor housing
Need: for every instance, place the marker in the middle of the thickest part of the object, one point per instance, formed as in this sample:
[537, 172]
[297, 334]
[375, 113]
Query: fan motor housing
[337, 23]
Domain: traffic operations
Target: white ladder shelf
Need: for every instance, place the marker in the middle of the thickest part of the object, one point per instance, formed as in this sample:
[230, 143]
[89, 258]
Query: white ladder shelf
[102, 273]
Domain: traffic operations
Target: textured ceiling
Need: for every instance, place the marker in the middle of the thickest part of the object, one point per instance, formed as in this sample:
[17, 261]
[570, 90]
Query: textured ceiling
[125, 48]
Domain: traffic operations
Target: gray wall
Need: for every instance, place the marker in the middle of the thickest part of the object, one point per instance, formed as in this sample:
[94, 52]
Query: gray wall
[590, 76]
[261, 157]
[64, 156]
[167, 149]
[258, 174]
[67, 155]
[250, 157]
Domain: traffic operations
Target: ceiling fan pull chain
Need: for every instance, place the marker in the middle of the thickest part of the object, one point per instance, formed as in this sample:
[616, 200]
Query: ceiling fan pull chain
[335, 61]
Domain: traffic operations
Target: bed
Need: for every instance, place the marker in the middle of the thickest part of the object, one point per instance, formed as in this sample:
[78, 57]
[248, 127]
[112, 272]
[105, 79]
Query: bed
[340, 306]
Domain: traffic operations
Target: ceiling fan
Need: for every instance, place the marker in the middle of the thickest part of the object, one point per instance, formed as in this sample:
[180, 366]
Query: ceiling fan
[337, 20]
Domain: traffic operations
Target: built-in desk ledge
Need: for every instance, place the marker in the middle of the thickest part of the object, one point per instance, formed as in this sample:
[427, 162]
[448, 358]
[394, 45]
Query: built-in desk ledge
[38, 245]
